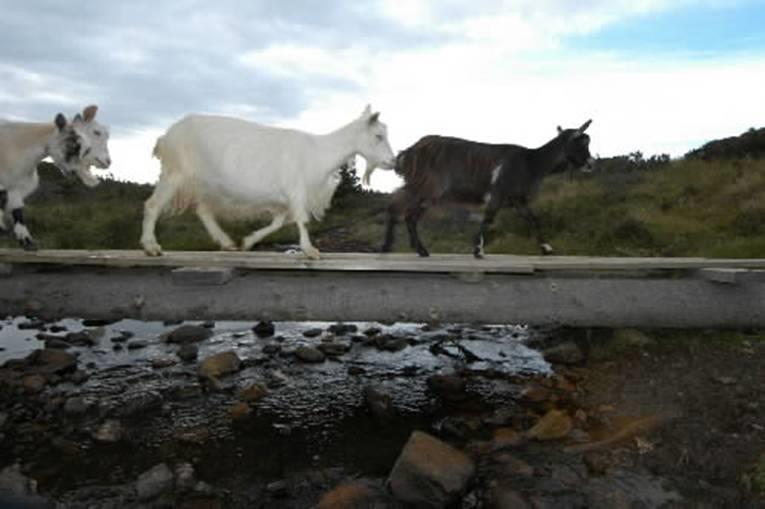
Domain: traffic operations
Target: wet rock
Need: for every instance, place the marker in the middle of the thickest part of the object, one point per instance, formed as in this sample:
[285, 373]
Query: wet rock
[97, 322]
[264, 329]
[184, 477]
[50, 361]
[137, 402]
[208, 324]
[33, 383]
[430, 473]
[379, 402]
[253, 393]
[81, 338]
[137, 344]
[390, 343]
[504, 495]
[507, 465]
[272, 349]
[154, 482]
[163, 363]
[356, 495]
[342, 329]
[188, 352]
[65, 446]
[356, 370]
[17, 491]
[448, 387]
[57, 328]
[372, 331]
[109, 432]
[334, 348]
[309, 354]
[76, 406]
[239, 410]
[188, 334]
[312, 333]
[123, 336]
[57, 344]
[564, 353]
[597, 463]
[218, 365]
[535, 394]
[31, 324]
[277, 489]
[507, 437]
[276, 378]
[554, 425]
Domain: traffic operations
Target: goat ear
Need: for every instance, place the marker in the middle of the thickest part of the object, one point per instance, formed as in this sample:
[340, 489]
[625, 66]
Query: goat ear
[367, 110]
[585, 126]
[89, 113]
[374, 118]
[60, 121]
[560, 129]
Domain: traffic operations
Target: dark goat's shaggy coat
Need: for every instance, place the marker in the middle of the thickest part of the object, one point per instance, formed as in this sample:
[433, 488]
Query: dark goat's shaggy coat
[439, 168]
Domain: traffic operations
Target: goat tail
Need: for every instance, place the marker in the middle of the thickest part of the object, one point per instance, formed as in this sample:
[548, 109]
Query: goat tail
[157, 152]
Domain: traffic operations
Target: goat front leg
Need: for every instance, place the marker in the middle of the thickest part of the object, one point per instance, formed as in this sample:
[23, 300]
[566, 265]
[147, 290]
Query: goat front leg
[482, 237]
[4, 230]
[213, 228]
[15, 205]
[533, 222]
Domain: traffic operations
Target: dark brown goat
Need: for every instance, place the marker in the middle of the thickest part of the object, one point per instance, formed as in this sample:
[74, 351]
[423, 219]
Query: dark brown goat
[439, 168]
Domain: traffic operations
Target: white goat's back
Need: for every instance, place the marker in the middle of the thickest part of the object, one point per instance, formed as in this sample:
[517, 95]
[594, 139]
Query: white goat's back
[238, 167]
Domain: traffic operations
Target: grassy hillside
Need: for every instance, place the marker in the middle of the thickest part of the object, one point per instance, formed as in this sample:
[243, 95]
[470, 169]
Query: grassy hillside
[680, 208]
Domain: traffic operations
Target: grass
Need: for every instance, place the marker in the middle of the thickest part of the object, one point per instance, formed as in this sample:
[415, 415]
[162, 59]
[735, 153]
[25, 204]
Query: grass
[686, 208]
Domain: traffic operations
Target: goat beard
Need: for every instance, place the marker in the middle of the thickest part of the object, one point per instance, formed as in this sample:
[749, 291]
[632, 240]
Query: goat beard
[87, 177]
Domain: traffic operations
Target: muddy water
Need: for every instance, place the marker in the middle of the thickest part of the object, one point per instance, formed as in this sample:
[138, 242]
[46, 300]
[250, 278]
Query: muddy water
[314, 418]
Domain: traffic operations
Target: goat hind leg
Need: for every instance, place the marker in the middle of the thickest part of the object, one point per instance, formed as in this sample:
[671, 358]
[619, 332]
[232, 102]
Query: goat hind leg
[213, 228]
[258, 235]
[533, 221]
[160, 198]
[412, 217]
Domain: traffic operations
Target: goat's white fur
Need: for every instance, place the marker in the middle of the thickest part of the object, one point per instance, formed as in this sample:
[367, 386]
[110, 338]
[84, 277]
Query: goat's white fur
[23, 145]
[233, 168]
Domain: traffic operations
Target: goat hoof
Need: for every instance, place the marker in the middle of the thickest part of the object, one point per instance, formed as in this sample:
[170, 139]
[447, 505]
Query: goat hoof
[423, 253]
[28, 244]
[232, 247]
[385, 248]
[546, 249]
[478, 254]
[312, 253]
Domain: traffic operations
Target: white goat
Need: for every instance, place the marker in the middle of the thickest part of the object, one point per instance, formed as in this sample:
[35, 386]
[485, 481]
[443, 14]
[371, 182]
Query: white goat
[74, 147]
[237, 169]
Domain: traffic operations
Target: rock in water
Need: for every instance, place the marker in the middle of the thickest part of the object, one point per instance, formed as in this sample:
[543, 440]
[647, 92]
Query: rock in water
[153, 482]
[264, 329]
[430, 473]
[218, 365]
[188, 334]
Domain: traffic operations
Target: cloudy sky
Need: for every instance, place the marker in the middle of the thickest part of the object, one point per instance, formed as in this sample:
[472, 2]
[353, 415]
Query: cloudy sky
[654, 75]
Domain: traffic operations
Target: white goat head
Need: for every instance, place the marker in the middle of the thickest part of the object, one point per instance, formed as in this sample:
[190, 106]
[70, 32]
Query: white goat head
[80, 144]
[375, 147]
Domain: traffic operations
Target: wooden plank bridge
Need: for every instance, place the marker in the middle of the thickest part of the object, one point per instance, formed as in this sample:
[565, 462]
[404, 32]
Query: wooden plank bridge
[573, 291]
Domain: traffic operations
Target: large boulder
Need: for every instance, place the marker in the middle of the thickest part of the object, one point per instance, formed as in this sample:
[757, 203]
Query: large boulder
[430, 473]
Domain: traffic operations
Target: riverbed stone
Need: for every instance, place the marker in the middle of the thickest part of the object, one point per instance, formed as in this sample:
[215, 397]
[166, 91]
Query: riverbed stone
[49, 361]
[341, 329]
[154, 482]
[334, 348]
[188, 352]
[312, 333]
[554, 425]
[430, 473]
[253, 393]
[504, 495]
[379, 402]
[109, 432]
[188, 334]
[220, 364]
[76, 405]
[264, 329]
[309, 354]
[80, 338]
[357, 494]
[33, 383]
[448, 387]
[565, 353]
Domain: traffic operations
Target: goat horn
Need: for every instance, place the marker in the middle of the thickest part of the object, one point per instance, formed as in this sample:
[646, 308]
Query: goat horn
[585, 126]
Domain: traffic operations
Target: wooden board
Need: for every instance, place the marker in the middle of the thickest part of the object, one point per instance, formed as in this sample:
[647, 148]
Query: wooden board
[370, 262]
